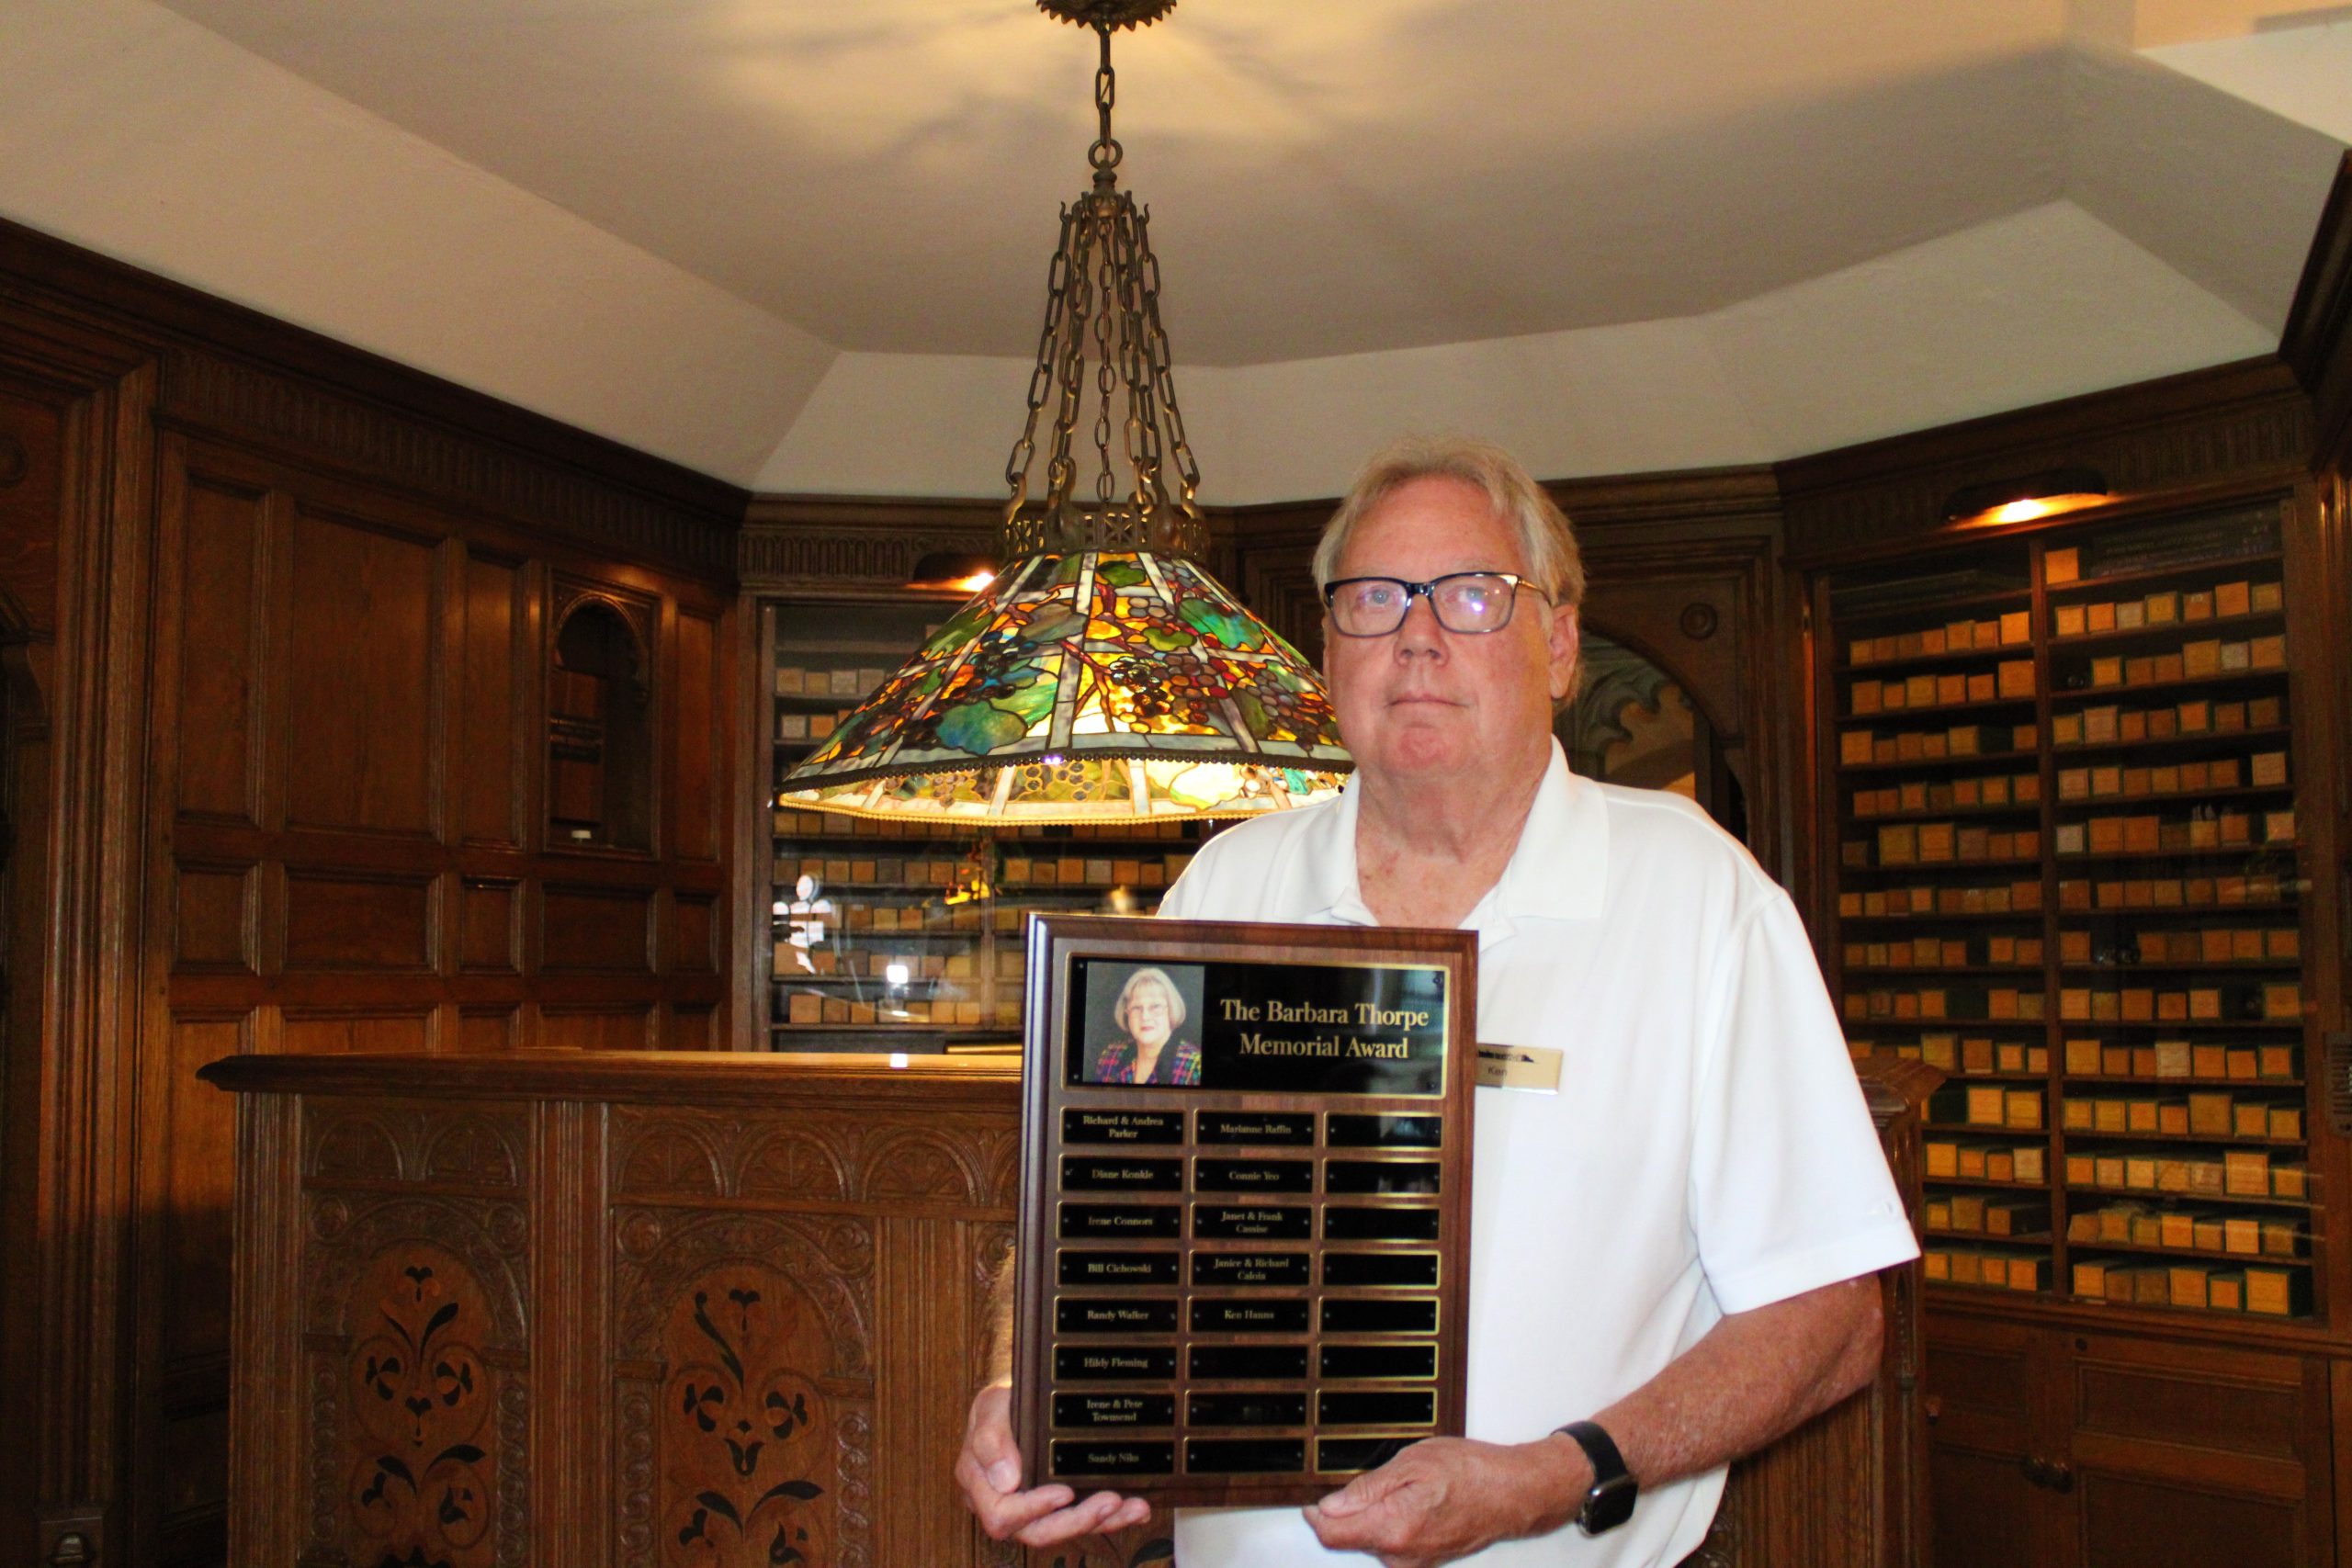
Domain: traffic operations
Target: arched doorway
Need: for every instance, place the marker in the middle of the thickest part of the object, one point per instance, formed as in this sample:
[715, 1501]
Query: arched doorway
[1632, 723]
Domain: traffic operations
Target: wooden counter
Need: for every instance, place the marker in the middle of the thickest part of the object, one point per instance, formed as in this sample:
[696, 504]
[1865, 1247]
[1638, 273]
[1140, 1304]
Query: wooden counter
[559, 1309]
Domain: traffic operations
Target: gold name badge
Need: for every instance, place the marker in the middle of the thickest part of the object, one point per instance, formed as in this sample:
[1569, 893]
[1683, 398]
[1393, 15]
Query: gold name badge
[1535, 1068]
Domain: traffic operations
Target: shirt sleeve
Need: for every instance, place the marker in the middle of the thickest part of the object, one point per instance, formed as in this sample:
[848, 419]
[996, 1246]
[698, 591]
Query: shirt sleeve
[1789, 1189]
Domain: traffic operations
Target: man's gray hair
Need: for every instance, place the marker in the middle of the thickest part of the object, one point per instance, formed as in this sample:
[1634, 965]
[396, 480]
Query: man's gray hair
[1547, 543]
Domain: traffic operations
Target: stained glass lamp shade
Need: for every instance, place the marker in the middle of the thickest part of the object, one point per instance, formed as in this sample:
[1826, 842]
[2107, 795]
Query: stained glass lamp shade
[1088, 686]
[1105, 676]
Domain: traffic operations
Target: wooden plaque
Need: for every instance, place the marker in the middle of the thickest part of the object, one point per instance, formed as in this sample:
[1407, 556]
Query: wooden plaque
[1242, 1280]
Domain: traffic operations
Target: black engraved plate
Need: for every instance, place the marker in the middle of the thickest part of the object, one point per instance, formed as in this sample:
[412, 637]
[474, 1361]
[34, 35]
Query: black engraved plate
[1252, 1362]
[1244, 1456]
[1391, 1178]
[1344, 1456]
[1215, 1270]
[1244, 1227]
[1252, 1222]
[1082, 1125]
[1245, 1410]
[1096, 1456]
[1380, 1225]
[1113, 1314]
[1252, 1127]
[1088, 1411]
[1077, 1362]
[1342, 1131]
[1375, 1314]
[1375, 1407]
[1376, 1361]
[1248, 1315]
[1119, 1268]
[1253, 1176]
[1106, 1173]
[1380, 1268]
[1122, 1222]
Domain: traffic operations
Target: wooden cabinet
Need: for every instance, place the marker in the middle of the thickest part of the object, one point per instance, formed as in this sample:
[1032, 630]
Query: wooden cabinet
[2087, 1449]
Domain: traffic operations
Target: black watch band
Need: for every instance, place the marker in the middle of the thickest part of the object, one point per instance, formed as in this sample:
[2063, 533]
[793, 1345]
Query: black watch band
[1610, 1501]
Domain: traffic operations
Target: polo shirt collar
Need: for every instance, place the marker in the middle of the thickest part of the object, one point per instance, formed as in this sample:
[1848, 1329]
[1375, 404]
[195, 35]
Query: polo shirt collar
[1557, 871]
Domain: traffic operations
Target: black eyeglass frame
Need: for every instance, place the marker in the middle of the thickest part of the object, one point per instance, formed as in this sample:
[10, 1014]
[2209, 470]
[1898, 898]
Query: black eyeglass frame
[1429, 590]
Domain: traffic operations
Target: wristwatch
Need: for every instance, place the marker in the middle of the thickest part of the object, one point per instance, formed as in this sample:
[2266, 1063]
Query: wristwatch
[1609, 1503]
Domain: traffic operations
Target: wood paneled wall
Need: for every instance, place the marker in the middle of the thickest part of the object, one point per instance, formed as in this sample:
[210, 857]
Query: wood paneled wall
[276, 623]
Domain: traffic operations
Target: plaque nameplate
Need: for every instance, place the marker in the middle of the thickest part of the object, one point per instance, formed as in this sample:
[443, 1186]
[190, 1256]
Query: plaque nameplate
[1121, 1127]
[1252, 1221]
[1245, 1204]
[1123, 1314]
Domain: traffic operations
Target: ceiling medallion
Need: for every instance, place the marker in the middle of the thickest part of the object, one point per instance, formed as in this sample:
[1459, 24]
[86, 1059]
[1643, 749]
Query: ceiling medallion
[1105, 675]
[1108, 14]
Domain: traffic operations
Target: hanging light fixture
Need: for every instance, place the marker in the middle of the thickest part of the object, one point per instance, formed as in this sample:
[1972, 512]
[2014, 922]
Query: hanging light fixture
[1105, 675]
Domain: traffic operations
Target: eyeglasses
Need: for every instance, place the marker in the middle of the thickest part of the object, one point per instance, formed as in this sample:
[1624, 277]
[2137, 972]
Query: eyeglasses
[1471, 602]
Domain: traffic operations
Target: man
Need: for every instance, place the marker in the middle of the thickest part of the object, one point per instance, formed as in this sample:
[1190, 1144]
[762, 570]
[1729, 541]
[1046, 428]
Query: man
[1670, 1253]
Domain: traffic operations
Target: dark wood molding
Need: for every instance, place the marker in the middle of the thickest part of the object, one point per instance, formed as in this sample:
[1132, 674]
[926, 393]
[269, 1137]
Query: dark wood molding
[235, 372]
[2317, 343]
[2240, 423]
[88, 1088]
[800, 544]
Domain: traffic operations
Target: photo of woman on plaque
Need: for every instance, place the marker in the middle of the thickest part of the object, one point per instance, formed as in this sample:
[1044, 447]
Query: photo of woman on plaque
[1144, 1039]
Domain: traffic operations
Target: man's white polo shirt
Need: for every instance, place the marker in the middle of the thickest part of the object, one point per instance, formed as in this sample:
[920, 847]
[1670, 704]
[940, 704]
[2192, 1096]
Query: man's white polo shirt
[1708, 1151]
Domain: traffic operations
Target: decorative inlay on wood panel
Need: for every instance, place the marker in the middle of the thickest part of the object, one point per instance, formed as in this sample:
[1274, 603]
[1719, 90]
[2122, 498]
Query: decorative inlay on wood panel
[744, 1389]
[685, 1156]
[244, 399]
[419, 1412]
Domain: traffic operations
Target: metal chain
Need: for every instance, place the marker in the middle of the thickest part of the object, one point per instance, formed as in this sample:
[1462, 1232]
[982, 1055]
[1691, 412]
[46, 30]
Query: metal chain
[1041, 378]
[1112, 315]
[1102, 268]
[1105, 154]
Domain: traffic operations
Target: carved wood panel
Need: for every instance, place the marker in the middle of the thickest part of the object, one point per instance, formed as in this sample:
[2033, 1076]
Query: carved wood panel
[951, 1159]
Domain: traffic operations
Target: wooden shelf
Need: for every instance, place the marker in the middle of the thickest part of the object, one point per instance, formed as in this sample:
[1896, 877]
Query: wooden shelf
[2208, 1254]
[2172, 631]
[1856, 819]
[2222, 740]
[1978, 705]
[2194, 574]
[1973, 759]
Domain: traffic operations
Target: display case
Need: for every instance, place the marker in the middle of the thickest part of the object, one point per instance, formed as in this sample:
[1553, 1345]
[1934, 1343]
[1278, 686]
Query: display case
[2066, 874]
[908, 936]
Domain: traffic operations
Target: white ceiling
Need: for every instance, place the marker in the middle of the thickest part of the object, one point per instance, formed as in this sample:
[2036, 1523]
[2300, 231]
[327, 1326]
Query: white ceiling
[801, 243]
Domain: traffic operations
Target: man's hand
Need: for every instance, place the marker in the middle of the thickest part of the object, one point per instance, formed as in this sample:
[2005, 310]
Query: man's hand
[990, 1472]
[1447, 1498]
